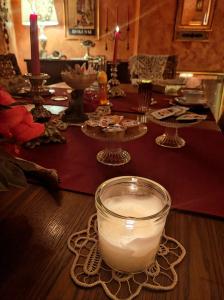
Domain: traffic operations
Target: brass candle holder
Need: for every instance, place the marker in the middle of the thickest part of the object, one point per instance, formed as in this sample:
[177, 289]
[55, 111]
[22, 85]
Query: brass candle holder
[114, 84]
[40, 114]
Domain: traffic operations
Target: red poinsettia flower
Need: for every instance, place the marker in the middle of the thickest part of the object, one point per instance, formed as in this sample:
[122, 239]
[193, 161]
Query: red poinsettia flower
[5, 97]
[16, 122]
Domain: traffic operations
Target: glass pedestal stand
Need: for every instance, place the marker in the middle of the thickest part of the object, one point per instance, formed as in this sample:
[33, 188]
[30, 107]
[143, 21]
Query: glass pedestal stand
[114, 84]
[170, 139]
[40, 114]
[113, 156]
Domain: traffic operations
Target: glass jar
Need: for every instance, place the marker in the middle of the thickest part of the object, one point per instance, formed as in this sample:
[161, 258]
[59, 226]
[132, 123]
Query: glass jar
[91, 98]
[131, 215]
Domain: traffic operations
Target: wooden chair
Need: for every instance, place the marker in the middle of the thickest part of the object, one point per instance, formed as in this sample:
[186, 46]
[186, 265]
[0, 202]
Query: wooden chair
[153, 67]
[8, 66]
[11, 78]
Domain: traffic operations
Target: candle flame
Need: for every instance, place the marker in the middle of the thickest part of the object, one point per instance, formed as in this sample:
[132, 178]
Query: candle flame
[117, 29]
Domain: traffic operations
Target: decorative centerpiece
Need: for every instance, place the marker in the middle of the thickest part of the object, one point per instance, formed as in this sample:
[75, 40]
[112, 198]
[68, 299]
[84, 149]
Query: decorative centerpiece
[79, 79]
[114, 84]
[75, 113]
[36, 78]
[39, 113]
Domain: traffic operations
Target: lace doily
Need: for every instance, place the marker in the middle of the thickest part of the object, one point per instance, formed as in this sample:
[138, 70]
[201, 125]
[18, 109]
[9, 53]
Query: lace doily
[148, 66]
[89, 270]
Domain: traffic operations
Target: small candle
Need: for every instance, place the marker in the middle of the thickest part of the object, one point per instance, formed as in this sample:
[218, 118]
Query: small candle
[126, 245]
[116, 38]
[131, 215]
[34, 43]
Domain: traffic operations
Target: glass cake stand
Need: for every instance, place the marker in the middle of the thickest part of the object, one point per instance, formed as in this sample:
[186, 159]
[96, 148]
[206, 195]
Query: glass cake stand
[113, 154]
[170, 138]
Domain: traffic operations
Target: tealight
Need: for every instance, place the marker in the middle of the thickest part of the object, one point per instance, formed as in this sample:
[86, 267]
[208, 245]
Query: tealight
[131, 215]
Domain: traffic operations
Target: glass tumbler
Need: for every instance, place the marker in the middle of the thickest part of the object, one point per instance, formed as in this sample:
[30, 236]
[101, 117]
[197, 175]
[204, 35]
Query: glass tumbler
[145, 96]
[131, 215]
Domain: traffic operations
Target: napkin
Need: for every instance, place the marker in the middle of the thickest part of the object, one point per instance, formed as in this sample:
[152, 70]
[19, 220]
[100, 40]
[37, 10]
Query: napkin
[17, 172]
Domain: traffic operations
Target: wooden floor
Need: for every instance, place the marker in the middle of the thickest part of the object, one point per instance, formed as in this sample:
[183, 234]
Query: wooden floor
[35, 261]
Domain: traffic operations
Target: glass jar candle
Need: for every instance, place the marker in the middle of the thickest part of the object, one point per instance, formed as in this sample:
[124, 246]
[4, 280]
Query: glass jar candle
[131, 215]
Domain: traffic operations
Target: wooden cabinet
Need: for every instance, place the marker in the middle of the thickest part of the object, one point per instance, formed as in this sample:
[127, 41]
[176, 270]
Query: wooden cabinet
[122, 71]
[54, 67]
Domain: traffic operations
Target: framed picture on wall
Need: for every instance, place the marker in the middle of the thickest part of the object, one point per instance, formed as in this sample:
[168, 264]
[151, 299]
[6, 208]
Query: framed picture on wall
[81, 18]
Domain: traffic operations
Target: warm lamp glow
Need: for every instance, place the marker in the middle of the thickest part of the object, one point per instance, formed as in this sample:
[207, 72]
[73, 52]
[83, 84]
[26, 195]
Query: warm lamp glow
[117, 29]
[45, 10]
[47, 16]
[186, 75]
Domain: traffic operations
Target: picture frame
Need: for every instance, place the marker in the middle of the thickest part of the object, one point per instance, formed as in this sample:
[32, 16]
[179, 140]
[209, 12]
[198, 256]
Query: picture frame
[194, 22]
[81, 19]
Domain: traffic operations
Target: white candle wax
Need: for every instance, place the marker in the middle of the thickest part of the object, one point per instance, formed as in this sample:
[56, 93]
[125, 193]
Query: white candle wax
[126, 244]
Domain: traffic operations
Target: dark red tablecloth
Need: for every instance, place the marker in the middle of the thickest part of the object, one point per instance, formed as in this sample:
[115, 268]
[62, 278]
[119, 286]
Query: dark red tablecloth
[128, 104]
[47, 99]
[193, 175]
[131, 102]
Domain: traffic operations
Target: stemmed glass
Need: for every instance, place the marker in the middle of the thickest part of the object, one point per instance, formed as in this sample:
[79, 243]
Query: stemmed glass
[145, 96]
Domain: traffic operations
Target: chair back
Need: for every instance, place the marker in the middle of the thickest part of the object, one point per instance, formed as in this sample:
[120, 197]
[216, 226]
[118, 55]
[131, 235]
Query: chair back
[8, 66]
[152, 67]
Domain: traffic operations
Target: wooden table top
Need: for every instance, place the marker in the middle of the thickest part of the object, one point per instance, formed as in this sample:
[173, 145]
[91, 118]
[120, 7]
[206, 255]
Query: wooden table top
[35, 261]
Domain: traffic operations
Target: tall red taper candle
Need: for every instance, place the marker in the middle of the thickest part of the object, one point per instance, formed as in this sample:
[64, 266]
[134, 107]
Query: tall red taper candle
[116, 38]
[34, 43]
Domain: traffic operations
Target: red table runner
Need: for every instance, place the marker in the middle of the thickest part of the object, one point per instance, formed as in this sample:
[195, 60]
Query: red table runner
[193, 174]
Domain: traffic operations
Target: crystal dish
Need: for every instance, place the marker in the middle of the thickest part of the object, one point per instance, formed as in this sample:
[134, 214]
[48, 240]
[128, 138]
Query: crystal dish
[170, 138]
[114, 155]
